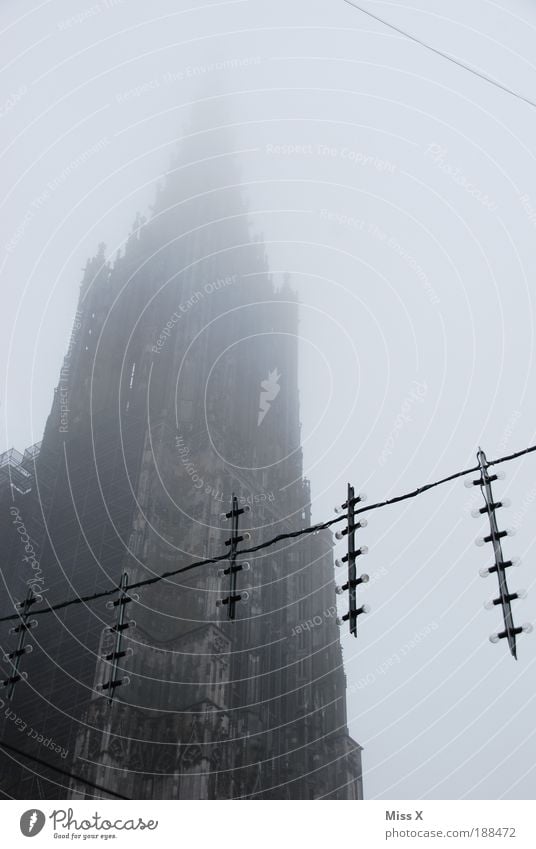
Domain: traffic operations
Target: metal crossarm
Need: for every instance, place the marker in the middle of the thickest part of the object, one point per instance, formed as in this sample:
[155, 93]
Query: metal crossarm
[230, 601]
[350, 558]
[505, 597]
[14, 657]
[121, 625]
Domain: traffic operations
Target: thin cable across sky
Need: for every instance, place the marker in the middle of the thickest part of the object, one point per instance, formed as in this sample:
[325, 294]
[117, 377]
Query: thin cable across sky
[447, 56]
[268, 543]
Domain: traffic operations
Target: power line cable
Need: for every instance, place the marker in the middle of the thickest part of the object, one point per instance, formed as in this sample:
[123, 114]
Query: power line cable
[420, 489]
[443, 55]
[41, 762]
[513, 456]
[268, 543]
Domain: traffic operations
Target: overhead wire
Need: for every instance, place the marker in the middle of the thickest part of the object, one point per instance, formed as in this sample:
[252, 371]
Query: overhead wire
[447, 56]
[268, 543]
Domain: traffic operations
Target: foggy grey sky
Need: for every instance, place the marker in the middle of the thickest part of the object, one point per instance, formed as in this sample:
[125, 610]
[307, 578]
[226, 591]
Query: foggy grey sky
[399, 192]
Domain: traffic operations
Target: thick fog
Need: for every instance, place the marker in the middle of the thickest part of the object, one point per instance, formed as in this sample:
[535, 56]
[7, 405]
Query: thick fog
[398, 192]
